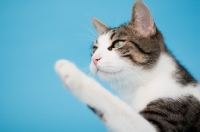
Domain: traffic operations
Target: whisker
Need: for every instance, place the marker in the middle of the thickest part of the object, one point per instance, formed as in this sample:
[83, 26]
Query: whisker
[86, 36]
[88, 15]
[93, 33]
[87, 71]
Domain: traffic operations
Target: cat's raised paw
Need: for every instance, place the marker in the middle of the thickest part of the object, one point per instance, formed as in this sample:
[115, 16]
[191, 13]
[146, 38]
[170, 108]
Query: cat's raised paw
[68, 72]
[60, 64]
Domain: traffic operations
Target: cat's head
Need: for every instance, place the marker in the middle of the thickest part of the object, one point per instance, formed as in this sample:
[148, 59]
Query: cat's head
[128, 50]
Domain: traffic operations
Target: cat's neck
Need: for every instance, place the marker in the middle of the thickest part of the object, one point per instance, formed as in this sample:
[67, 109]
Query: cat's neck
[142, 78]
[158, 78]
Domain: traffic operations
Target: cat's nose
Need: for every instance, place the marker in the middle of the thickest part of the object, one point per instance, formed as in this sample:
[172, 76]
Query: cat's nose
[95, 60]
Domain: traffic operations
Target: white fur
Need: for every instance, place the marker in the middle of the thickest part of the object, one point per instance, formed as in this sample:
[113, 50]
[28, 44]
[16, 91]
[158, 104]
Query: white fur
[118, 116]
[137, 87]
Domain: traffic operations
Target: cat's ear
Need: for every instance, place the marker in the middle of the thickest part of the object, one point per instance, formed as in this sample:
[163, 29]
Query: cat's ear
[142, 19]
[99, 26]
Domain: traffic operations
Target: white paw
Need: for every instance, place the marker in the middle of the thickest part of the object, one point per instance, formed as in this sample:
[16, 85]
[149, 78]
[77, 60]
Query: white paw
[69, 73]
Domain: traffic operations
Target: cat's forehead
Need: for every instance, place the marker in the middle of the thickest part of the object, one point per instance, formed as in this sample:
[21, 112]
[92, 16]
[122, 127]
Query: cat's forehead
[105, 39]
[125, 30]
[113, 34]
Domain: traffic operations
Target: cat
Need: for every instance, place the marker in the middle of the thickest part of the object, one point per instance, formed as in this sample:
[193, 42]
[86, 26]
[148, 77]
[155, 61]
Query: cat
[156, 93]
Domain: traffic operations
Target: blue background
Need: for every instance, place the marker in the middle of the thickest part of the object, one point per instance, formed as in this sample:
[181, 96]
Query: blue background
[36, 33]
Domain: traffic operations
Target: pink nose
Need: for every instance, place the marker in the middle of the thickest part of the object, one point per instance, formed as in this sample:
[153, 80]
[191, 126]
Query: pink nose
[95, 60]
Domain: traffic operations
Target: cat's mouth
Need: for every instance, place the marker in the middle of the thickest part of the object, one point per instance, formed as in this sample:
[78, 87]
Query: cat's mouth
[108, 74]
[108, 70]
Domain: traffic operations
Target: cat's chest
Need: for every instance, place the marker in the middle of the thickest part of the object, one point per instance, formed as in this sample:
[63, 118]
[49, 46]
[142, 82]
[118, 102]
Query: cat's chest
[140, 98]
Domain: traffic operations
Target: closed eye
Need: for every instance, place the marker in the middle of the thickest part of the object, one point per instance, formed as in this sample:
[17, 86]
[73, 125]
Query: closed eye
[94, 49]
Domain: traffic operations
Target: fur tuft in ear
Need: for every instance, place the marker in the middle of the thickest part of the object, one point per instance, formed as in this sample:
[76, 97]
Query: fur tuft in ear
[142, 19]
[99, 26]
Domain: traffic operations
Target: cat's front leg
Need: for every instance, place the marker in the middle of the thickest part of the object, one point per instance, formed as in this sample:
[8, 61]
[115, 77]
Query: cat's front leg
[117, 115]
[70, 75]
[82, 86]
[77, 82]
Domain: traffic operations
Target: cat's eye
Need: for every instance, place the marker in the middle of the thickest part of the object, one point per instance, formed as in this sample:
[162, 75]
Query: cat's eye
[94, 49]
[117, 44]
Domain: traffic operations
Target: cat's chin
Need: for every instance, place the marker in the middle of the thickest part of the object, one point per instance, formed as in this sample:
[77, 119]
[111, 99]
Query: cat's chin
[109, 72]
[108, 76]
[106, 73]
